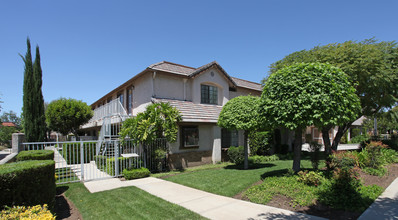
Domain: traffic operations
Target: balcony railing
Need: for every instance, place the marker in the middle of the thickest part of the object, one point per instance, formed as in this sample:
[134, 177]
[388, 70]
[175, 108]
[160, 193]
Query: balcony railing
[113, 108]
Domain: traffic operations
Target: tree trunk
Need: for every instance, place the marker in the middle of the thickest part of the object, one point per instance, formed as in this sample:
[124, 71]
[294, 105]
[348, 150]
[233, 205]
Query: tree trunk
[297, 149]
[246, 151]
[326, 140]
[340, 132]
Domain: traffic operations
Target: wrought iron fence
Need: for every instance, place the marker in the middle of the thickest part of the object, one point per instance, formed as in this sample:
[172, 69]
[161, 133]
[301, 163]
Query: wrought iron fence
[79, 160]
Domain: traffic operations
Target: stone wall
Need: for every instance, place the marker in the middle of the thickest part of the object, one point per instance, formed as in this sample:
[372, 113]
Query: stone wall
[189, 159]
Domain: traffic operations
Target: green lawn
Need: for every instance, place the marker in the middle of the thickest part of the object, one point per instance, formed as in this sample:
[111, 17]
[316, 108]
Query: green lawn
[231, 180]
[123, 203]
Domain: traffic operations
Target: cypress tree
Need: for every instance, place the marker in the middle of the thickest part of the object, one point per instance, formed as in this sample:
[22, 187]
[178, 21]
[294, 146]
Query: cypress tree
[33, 103]
[40, 124]
[28, 95]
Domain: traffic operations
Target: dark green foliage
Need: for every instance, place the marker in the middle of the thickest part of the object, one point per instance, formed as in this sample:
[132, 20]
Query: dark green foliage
[392, 143]
[72, 155]
[315, 148]
[27, 183]
[359, 139]
[130, 174]
[6, 135]
[260, 142]
[35, 155]
[236, 155]
[67, 115]
[40, 121]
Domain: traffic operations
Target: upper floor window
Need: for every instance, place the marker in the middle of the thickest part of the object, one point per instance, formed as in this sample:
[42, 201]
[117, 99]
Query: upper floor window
[120, 97]
[209, 94]
[129, 100]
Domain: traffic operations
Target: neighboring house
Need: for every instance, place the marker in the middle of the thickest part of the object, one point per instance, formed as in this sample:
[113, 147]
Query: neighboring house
[8, 124]
[198, 93]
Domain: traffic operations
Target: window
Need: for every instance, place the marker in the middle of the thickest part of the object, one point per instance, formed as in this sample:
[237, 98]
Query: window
[120, 97]
[229, 138]
[130, 100]
[209, 94]
[190, 136]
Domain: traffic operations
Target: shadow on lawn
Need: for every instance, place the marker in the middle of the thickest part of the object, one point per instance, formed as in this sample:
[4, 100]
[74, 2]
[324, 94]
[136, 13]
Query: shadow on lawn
[251, 166]
[61, 208]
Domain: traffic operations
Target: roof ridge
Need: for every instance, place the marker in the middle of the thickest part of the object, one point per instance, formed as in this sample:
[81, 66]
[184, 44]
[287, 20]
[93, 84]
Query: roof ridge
[245, 80]
[179, 65]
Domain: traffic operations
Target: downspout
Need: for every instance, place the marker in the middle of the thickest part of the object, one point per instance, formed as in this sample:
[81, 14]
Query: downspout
[185, 92]
[153, 84]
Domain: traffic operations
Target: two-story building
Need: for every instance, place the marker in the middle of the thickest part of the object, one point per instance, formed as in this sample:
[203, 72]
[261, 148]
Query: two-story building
[198, 93]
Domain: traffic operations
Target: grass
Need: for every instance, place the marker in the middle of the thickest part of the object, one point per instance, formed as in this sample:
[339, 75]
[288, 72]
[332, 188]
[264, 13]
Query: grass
[64, 175]
[123, 203]
[192, 169]
[231, 179]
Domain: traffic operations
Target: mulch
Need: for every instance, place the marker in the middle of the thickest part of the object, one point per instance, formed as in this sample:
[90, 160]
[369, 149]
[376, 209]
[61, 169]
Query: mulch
[64, 208]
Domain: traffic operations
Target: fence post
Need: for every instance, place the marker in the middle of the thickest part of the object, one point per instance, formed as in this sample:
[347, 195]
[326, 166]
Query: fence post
[82, 160]
[116, 158]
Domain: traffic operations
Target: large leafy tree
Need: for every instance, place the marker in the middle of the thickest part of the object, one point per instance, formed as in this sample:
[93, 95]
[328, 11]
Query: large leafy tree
[33, 109]
[307, 94]
[67, 115]
[371, 67]
[240, 113]
[158, 121]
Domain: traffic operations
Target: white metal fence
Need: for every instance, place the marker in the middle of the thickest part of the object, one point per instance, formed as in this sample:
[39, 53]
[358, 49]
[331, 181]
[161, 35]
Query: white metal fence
[80, 161]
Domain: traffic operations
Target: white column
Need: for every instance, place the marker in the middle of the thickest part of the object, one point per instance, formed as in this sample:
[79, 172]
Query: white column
[216, 156]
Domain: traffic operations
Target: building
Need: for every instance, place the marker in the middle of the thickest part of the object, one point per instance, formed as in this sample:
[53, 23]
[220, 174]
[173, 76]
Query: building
[198, 93]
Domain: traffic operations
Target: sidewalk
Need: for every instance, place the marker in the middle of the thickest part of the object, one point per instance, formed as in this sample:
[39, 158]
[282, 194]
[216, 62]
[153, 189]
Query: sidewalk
[384, 207]
[206, 204]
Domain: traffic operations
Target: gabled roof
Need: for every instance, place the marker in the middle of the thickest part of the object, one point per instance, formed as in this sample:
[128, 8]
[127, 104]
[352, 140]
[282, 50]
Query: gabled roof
[247, 84]
[172, 68]
[8, 124]
[192, 112]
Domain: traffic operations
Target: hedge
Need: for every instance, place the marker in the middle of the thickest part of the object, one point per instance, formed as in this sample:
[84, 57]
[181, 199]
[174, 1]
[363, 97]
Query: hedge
[27, 183]
[35, 155]
[130, 174]
[71, 152]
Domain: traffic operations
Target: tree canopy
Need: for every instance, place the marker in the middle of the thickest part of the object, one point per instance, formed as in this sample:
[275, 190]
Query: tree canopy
[307, 94]
[11, 117]
[67, 115]
[158, 121]
[240, 113]
[370, 65]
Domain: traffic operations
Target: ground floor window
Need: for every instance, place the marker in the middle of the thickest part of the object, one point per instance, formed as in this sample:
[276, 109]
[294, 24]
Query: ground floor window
[189, 136]
[229, 138]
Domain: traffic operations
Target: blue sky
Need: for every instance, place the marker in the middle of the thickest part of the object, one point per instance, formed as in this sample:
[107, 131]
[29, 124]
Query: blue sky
[90, 47]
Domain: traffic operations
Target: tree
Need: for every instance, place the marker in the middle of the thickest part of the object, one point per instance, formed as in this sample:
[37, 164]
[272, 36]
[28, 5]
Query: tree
[32, 98]
[240, 113]
[307, 94]
[158, 121]
[6, 135]
[40, 119]
[67, 115]
[371, 67]
[11, 117]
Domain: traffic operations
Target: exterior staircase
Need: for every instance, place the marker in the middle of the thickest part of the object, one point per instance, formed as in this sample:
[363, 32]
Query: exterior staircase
[113, 115]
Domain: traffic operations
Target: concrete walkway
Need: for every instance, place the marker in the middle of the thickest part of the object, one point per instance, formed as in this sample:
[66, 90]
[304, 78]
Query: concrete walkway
[384, 207]
[205, 204]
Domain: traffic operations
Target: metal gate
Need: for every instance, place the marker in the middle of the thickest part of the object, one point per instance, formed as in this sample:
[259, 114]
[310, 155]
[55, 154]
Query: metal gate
[87, 160]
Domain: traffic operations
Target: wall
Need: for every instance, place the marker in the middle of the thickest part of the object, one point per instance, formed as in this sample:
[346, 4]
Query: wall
[142, 93]
[168, 86]
[218, 79]
[243, 92]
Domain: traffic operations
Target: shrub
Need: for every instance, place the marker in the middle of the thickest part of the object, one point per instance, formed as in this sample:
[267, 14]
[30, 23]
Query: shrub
[392, 143]
[315, 148]
[35, 155]
[259, 142]
[22, 212]
[262, 159]
[130, 174]
[343, 160]
[160, 159]
[72, 155]
[236, 154]
[27, 183]
[359, 139]
[310, 178]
